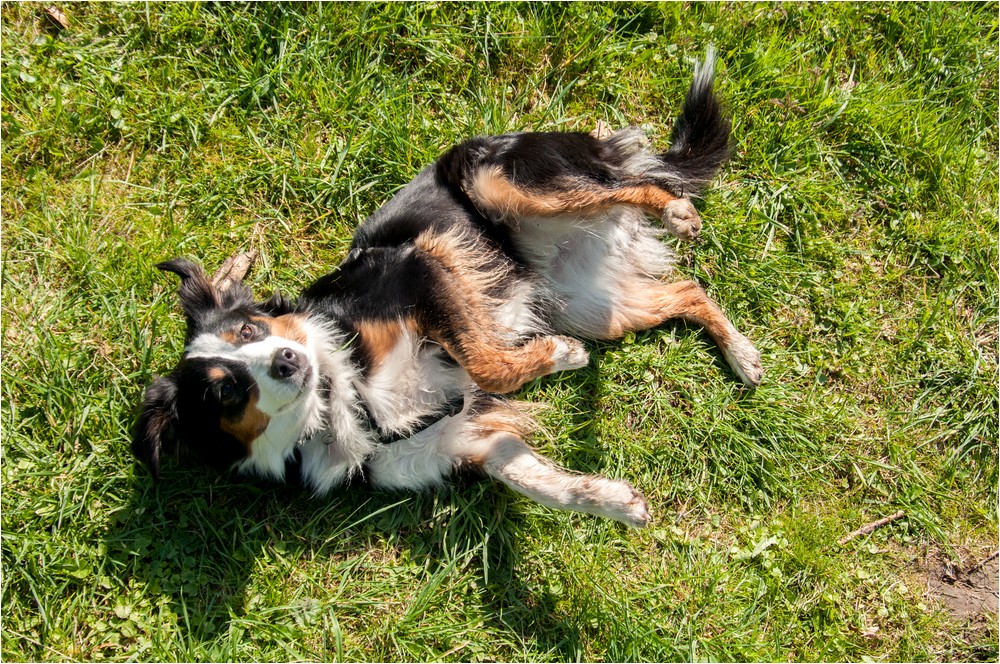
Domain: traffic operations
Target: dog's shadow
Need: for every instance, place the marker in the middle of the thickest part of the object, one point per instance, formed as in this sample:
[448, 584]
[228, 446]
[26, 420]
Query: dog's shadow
[221, 549]
[224, 552]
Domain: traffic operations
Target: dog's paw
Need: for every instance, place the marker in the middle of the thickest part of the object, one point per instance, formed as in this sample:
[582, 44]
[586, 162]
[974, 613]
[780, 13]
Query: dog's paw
[681, 219]
[628, 505]
[569, 353]
[744, 359]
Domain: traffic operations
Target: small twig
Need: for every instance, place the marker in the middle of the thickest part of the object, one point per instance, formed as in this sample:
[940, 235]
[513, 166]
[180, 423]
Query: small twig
[978, 566]
[233, 269]
[454, 650]
[874, 525]
[131, 163]
[56, 18]
[602, 130]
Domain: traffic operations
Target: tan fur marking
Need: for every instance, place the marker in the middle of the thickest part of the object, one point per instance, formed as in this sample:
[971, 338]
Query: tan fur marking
[249, 425]
[646, 303]
[477, 461]
[379, 337]
[494, 360]
[216, 374]
[511, 416]
[501, 370]
[491, 190]
[464, 259]
[230, 337]
[288, 326]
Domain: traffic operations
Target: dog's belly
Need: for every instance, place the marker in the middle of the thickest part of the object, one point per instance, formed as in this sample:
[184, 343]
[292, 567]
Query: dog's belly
[590, 262]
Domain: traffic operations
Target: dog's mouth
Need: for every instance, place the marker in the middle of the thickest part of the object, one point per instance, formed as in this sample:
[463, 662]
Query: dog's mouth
[303, 383]
[307, 374]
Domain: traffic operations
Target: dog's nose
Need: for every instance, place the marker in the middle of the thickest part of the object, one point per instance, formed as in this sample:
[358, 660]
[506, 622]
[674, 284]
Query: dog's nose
[286, 363]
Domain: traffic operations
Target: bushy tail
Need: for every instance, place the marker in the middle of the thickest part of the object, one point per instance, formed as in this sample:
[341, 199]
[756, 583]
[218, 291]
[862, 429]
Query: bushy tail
[700, 140]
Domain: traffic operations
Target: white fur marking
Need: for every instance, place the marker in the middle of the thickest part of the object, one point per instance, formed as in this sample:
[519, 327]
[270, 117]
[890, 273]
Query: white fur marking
[744, 358]
[584, 260]
[413, 381]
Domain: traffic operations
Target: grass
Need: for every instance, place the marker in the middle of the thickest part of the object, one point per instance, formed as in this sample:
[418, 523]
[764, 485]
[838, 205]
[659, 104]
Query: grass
[853, 237]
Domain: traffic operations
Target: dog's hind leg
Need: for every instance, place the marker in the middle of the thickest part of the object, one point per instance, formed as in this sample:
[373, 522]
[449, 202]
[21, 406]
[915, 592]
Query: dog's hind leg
[643, 303]
[488, 437]
[579, 194]
[603, 262]
[464, 313]
[605, 269]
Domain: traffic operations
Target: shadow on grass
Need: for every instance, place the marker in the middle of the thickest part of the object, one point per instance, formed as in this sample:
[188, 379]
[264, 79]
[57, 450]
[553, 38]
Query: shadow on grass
[224, 552]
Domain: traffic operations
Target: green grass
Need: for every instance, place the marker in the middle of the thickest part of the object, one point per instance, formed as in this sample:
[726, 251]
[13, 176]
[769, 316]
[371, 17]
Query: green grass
[853, 237]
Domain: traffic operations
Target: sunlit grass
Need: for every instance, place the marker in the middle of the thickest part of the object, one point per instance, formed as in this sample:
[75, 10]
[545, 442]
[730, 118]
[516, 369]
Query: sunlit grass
[853, 237]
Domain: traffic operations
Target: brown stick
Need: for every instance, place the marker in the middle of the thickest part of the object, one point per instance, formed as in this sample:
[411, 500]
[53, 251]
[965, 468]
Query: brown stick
[874, 525]
[233, 269]
[978, 566]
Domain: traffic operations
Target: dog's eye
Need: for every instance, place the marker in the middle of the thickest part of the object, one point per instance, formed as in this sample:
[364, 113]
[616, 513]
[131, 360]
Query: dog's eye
[227, 392]
[247, 333]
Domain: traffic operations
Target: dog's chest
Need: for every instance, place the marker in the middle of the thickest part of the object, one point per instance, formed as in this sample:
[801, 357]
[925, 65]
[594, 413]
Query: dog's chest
[414, 380]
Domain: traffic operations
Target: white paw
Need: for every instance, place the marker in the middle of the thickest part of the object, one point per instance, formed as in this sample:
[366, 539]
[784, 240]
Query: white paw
[569, 353]
[744, 359]
[681, 219]
[625, 503]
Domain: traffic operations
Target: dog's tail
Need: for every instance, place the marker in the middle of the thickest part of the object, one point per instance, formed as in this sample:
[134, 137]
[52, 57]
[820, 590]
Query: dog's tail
[699, 144]
[698, 147]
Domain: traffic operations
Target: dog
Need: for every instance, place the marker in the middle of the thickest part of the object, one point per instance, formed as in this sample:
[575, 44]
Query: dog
[480, 275]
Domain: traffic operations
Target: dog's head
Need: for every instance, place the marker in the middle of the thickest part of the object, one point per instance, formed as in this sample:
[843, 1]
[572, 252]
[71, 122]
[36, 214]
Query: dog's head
[245, 389]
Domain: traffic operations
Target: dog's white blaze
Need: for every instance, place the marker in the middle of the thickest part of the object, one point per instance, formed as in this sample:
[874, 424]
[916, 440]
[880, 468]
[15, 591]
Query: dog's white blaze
[257, 357]
[292, 406]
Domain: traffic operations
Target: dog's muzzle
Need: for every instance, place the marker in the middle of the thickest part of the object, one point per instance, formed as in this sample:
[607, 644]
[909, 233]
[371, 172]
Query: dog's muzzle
[286, 363]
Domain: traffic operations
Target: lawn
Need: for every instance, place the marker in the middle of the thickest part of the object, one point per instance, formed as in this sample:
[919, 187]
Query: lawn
[853, 236]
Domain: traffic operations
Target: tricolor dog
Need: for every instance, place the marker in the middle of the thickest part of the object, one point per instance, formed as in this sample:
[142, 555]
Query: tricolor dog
[481, 274]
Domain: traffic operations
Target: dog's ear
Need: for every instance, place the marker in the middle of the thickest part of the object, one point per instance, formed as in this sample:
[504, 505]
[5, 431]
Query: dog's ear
[198, 295]
[156, 429]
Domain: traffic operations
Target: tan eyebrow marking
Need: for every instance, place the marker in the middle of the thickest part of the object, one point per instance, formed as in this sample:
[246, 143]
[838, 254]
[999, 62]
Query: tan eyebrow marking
[216, 374]
[287, 326]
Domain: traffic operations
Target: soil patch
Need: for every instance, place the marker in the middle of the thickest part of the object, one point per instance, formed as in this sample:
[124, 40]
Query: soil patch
[966, 594]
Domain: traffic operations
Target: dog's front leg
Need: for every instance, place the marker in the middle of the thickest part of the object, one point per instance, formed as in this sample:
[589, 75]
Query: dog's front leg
[507, 458]
[488, 437]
